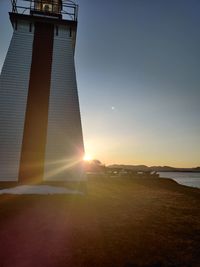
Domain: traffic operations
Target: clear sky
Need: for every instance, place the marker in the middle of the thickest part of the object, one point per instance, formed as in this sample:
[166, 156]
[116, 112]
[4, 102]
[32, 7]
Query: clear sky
[138, 73]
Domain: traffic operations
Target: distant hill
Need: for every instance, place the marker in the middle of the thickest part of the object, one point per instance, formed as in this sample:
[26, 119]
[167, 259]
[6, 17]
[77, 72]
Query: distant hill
[197, 169]
[153, 168]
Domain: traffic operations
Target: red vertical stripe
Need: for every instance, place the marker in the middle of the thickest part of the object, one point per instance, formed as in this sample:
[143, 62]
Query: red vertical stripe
[36, 119]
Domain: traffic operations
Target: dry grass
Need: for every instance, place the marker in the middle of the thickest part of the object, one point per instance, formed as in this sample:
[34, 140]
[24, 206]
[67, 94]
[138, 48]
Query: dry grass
[120, 222]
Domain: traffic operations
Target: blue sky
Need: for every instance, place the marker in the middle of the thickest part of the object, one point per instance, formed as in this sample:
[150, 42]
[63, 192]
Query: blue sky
[138, 73]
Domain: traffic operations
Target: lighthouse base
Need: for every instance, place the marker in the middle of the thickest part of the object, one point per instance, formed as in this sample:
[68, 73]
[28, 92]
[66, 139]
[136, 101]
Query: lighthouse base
[44, 188]
[40, 190]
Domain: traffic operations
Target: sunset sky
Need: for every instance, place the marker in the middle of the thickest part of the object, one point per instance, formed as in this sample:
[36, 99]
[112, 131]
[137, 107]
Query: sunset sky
[138, 74]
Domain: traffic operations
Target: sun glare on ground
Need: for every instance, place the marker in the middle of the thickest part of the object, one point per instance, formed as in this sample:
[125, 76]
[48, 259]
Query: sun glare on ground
[87, 157]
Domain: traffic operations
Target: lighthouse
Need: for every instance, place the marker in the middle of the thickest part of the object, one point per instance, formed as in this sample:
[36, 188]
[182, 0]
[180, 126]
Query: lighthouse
[40, 125]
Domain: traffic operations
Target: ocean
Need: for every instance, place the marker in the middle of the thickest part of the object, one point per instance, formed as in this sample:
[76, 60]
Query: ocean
[191, 179]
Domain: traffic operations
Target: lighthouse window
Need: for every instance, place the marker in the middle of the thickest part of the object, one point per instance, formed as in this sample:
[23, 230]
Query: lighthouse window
[16, 25]
[70, 32]
[30, 27]
[47, 7]
[56, 30]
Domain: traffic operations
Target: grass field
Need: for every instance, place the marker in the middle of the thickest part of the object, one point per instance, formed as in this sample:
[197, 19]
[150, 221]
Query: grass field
[121, 222]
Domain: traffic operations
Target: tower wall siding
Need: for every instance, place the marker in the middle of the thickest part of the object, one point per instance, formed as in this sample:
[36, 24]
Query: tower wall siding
[64, 147]
[14, 81]
[36, 119]
[63, 144]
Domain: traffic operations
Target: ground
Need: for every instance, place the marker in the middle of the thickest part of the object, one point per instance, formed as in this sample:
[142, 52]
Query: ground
[120, 222]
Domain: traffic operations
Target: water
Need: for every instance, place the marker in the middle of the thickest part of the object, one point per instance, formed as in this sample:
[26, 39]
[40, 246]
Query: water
[186, 178]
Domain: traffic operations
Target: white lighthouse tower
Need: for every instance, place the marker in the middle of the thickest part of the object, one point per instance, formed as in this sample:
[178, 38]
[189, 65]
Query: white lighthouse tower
[40, 126]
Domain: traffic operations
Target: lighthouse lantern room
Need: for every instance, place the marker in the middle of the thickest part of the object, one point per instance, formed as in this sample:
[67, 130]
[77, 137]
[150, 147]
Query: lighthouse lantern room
[48, 6]
[40, 125]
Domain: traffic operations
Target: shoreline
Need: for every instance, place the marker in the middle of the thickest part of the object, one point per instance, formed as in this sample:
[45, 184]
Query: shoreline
[161, 181]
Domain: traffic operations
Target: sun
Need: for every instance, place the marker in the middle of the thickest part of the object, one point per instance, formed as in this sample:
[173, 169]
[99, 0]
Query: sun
[87, 157]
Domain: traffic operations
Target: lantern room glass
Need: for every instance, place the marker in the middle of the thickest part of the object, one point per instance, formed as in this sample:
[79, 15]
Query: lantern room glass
[48, 6]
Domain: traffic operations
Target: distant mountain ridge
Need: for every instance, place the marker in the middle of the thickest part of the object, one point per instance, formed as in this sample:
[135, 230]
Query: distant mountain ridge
[153, 168]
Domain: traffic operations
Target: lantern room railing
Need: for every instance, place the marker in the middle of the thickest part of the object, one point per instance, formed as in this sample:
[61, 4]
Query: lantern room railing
[67, 10]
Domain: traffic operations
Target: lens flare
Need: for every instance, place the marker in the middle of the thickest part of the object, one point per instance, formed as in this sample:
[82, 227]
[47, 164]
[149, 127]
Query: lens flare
[87, 157]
